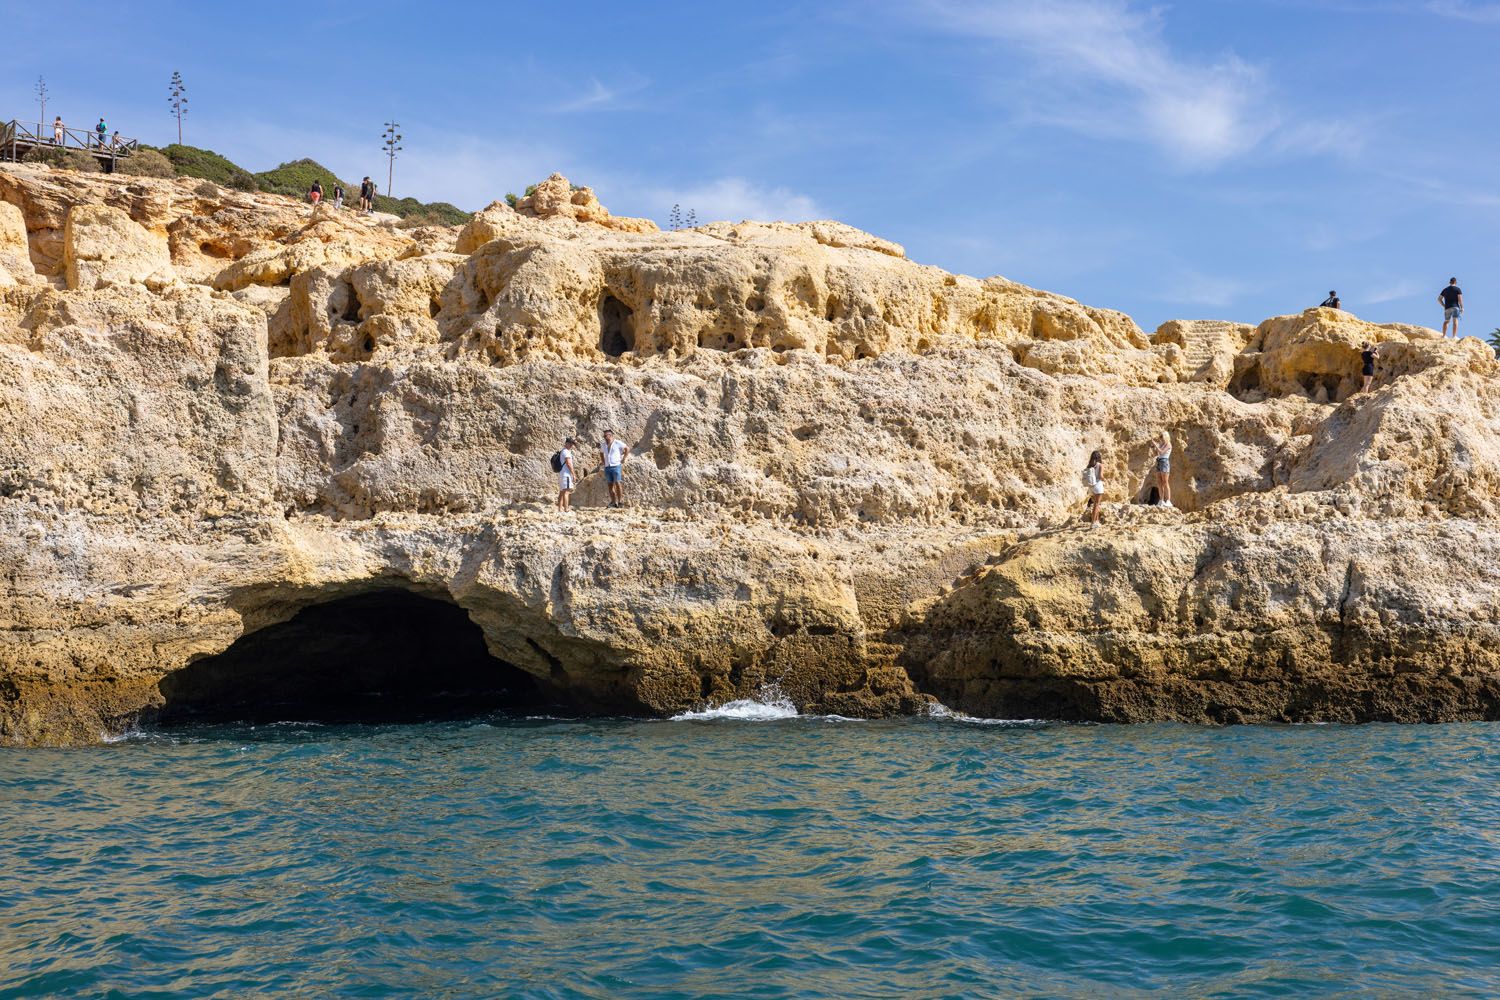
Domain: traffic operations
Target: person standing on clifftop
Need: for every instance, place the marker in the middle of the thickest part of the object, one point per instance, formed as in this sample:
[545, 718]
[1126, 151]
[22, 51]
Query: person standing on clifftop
[102, 130]
[1452, 301]
[614, 454]
[1332, 302]
[563, 462]
[1367, 355]
[366, 195]
[58, 130]
[1164, 468]
[1093, 478]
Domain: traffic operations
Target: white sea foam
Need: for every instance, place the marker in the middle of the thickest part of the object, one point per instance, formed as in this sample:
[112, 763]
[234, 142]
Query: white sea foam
[769, 707]
[937, 710]
[137, 735]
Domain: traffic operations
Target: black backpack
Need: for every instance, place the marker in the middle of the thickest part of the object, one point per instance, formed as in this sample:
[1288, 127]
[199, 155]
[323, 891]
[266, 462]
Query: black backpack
[557, 461]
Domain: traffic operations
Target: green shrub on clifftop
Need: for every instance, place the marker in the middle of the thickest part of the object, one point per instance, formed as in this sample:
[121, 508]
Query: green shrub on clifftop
[190, 161]
[68, 159]
[437, 213]
[145, 163]
[294, 178]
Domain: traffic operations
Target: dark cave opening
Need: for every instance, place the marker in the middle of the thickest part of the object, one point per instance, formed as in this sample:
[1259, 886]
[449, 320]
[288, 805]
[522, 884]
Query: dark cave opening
[616, 327]
[386, 656]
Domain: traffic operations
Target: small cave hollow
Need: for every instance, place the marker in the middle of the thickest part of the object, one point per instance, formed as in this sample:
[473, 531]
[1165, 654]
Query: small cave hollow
[616, 327]
[381, 657]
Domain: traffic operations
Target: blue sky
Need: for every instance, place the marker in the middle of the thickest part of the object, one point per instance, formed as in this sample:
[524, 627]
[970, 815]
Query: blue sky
[1207, 159]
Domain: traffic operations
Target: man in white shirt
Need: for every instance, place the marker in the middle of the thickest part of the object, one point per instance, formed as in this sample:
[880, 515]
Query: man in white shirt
[614, 454]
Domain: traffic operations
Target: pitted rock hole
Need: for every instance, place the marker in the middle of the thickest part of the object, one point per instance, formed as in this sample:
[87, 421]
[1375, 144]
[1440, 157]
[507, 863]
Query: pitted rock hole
[616, 327]
[387, 656]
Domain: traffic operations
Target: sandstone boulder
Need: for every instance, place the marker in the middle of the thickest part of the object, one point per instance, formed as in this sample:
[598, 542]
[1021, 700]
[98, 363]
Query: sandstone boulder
[556, 198]
[15, 261]
[103, 247]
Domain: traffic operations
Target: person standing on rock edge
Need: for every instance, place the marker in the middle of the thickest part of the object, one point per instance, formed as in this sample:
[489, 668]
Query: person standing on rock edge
[366, 195]
[1452, 301]
[1367, 355]
[565, 475]
[1093, 478]
[1332, 302]
[1164, 468]
[614, 454]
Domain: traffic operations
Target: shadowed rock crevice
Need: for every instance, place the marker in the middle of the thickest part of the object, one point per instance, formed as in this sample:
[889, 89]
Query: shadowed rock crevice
[387, 656]
[616, 327]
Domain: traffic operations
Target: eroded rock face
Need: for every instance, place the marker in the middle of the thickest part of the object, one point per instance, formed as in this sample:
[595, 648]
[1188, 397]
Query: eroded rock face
[104, 247]
[556, 198]
[853, 479]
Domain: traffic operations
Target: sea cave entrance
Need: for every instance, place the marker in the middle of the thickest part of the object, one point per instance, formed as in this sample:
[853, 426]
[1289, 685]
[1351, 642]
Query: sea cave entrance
[386, 656]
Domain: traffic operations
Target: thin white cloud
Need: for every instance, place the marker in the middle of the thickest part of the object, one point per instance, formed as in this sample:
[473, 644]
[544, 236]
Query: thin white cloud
[600, 96]
[1465, 10]
[596, 97]
[1112, 73]
[734, 199]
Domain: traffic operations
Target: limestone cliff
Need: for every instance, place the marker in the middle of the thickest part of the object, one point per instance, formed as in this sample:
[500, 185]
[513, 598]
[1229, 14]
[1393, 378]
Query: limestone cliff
[854, 477]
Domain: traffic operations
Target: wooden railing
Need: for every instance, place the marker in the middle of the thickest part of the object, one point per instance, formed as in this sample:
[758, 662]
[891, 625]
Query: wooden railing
[18, 137]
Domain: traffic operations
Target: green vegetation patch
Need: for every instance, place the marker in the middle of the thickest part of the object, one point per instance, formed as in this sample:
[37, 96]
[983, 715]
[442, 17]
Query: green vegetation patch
[291, 179]
[296, 177]
[190, 161]
[68, 159]
[145, 163]
[434, 213]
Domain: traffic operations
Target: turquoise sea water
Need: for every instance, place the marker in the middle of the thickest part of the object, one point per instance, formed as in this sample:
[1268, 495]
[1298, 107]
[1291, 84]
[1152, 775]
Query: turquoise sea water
[776, 858]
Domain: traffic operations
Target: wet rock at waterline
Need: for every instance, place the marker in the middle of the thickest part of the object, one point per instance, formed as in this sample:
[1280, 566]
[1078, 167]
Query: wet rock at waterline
[853, 477]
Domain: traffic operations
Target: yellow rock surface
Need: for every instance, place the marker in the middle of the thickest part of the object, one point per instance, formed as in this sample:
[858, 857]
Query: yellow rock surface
[853, 476]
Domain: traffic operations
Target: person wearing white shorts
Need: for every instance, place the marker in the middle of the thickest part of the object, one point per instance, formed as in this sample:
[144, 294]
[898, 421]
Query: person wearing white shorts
[1093, 478]
[566, 476]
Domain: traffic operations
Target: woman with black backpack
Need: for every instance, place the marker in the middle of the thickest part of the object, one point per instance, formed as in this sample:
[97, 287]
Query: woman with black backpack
[562, 464]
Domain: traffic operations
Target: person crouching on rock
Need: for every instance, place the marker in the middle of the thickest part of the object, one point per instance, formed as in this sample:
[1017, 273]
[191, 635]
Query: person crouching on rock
[1093, 478]
[566, 478]
[1164, 468]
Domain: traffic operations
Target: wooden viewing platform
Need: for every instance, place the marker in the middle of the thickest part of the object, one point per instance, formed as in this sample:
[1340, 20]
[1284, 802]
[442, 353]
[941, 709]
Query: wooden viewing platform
[18, 138]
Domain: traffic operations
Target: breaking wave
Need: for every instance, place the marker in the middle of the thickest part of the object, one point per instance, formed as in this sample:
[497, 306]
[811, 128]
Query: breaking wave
[774, 707]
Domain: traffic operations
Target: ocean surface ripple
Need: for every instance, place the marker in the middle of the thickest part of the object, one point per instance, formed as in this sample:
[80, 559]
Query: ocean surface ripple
[747, 853]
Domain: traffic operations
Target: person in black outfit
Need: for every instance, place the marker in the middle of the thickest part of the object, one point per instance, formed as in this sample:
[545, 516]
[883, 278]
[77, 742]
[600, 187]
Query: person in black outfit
[1332, 302]
[1452, 301]
[1367, 355]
